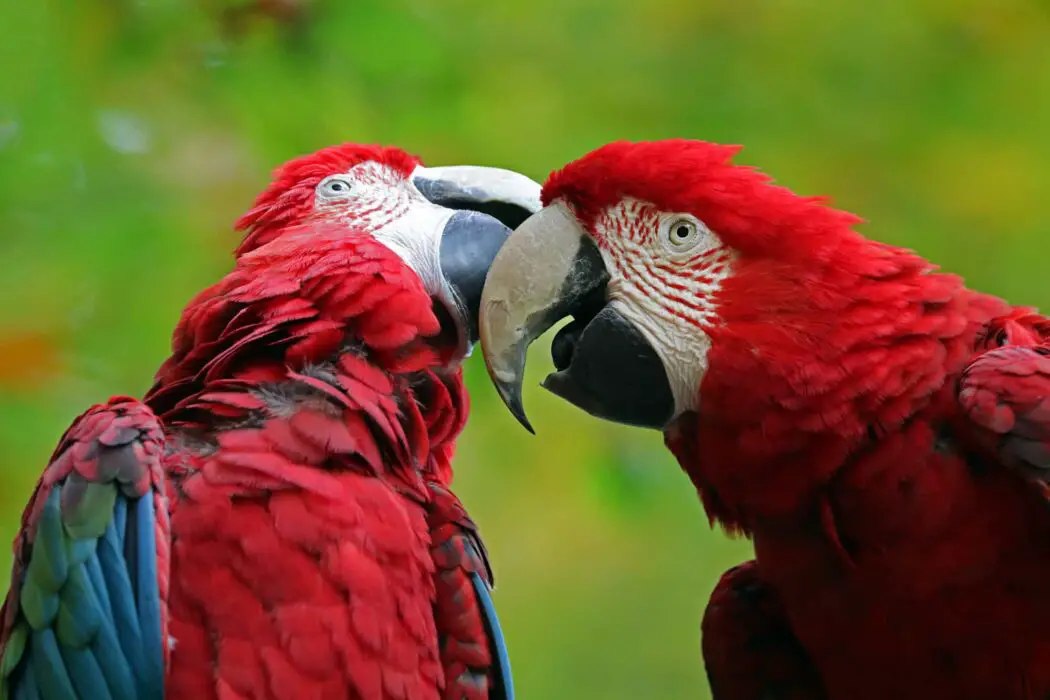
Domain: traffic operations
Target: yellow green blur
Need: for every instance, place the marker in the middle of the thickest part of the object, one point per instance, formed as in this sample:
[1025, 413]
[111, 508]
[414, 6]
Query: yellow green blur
[132, 134]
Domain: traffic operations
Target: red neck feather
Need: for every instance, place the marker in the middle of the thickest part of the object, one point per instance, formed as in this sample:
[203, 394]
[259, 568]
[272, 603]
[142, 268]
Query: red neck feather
[308, 298]
[812, 362]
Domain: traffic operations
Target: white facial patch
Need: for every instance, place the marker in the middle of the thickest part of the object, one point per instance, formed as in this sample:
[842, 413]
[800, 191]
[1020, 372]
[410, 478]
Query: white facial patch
[378, 199]
[665, 269]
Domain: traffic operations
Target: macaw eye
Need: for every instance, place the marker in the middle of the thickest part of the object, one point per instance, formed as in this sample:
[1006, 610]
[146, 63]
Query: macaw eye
[335, 186]
[681, 233]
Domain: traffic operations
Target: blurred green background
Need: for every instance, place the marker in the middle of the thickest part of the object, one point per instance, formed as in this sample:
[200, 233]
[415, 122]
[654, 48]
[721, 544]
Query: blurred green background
[133, 132]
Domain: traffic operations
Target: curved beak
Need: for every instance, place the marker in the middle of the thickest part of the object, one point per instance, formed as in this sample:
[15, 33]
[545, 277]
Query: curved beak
[469, 243]
[505, 195]
[489, 203]
[547, 270]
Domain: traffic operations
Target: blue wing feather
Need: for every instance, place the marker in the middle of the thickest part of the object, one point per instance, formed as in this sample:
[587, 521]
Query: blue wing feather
[121, 594]
[98, 584]
[120, 678]
[47, 667]
[84, 619]
[120, 521]
[151, 668]
[503, 680]
[27, 689]
[93, 610]
[85, 674]
[49, 566]
[79, 612]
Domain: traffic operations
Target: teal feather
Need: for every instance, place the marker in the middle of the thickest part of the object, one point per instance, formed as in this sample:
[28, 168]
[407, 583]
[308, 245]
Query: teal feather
[80, 551]
[98, 584]
[119, 677]
[125, 621]
[27, 689]
[120, 519]
[79, 612]
[95, 632]
[48, 668]
[92, 512]
[48, 566]
[85, 674]
[38, 606]
[150, 669]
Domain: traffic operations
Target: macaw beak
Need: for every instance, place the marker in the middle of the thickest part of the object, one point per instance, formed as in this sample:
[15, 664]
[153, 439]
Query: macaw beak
[549, 269]
[505, 195]
[489, 202]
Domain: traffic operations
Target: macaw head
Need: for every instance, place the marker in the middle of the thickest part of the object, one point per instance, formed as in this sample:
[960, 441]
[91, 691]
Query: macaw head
[445, 223]
[674, 261]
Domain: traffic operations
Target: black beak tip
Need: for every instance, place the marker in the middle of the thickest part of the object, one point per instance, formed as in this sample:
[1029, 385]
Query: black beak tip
[511, 395]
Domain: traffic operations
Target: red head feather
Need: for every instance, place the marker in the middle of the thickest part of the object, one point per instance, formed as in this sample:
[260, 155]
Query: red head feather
[750, 214]
[290, 196]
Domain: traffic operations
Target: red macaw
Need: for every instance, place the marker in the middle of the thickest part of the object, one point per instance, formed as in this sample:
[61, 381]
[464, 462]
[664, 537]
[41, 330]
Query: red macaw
[881, 432]
[273, 519]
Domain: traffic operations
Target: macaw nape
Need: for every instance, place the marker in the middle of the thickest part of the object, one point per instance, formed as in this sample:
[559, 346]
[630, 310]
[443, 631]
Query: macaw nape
[880, 432]
[274, 519]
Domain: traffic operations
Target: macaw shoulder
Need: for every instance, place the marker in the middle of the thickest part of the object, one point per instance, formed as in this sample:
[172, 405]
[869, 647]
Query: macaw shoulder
[87, 611]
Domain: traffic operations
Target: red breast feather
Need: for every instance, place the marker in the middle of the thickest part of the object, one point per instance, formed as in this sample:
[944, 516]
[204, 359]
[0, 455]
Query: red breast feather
[308, 413]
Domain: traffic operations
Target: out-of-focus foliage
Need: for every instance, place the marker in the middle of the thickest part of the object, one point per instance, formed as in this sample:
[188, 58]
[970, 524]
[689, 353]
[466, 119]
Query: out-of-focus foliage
[132, 132]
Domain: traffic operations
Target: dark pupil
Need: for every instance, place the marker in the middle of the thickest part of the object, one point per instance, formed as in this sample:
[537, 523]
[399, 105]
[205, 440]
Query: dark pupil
[682, 232]
[337, 186]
